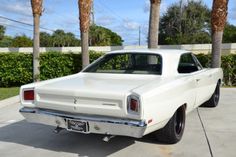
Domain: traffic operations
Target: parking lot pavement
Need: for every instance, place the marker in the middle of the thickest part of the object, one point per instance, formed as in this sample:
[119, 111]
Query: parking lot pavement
[22, 139]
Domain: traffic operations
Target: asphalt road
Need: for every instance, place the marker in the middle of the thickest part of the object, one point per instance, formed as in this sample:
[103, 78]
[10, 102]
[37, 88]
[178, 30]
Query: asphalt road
[22, 139]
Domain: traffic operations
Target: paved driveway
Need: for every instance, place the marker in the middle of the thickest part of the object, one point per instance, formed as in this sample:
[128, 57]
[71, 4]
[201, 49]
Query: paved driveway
[22, 139]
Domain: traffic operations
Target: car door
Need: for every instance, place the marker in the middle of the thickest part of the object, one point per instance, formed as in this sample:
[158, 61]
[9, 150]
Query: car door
[204, 81]
[190, 66]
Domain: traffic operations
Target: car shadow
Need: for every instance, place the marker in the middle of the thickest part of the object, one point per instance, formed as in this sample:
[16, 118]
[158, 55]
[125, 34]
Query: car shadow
[41, 136]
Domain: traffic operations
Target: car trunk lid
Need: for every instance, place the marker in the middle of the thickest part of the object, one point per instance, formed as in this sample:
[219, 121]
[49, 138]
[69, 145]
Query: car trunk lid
[96, 94]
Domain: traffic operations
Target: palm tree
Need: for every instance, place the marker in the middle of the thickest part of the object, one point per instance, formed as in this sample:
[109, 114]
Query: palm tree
[37, 12]
[218, 20]
[84, 16]
[154, 23]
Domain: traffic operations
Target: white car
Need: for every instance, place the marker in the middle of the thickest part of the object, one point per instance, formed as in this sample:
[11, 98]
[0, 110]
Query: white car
[127, 93]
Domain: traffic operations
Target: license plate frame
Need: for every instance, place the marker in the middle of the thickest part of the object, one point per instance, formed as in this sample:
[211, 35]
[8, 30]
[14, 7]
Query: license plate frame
[77, 125]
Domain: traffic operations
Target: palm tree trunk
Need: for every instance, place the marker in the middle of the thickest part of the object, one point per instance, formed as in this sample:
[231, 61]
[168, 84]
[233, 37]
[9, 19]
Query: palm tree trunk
[216, 49]
[154, 23]
[85, 45]
[36, 71]
[36, 6]
[218, 20]
[84, 15]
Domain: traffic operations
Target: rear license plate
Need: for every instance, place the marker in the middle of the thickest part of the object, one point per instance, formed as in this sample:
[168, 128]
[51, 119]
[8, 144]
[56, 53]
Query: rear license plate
[77, 126]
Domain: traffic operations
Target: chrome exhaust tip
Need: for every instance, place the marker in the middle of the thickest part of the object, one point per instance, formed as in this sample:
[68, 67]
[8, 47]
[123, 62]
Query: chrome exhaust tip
[108, 138]
[57, 130]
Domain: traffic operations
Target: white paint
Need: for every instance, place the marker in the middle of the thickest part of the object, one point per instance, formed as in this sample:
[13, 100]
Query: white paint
[160, 95]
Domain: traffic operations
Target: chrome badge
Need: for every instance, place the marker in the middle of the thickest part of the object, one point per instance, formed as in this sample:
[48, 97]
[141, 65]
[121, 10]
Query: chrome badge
[75, 100]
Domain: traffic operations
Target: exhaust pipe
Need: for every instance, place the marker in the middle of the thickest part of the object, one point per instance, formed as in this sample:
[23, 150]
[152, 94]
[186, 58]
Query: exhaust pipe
[108, 138]
[57, 130]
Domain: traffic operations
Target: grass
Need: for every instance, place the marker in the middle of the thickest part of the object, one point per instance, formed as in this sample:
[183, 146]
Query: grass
[228, 86]
[8, 92]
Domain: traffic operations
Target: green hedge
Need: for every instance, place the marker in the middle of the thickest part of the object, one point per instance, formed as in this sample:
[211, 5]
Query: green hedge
[228, 64]
[16, 68]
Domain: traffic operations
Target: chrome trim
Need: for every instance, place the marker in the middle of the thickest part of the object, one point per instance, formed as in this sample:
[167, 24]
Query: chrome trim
[27, 110]
[127, 122]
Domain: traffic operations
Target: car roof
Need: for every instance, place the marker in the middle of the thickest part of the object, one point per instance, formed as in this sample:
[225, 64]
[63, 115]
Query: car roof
[155, 51]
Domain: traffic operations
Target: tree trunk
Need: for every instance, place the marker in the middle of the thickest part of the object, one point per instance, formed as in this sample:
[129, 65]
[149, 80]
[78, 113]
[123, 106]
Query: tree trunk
[36, 6]
[154, 23]
[218, 20]
[36, 71]
[216, 49]
[84, 16]
[85, 46]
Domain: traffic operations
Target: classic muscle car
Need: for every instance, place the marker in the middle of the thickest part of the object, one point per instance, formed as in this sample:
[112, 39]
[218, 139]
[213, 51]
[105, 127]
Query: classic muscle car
[127, 93]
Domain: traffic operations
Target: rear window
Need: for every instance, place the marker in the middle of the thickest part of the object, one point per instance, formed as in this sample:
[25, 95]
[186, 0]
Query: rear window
[128, 63]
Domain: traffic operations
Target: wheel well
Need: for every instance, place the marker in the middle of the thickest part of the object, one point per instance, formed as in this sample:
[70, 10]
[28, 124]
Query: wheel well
[219, 81]
[184, 106]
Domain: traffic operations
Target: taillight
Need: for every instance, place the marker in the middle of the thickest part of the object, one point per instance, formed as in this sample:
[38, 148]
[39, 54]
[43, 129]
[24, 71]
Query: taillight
[29, 95]
[133, 104]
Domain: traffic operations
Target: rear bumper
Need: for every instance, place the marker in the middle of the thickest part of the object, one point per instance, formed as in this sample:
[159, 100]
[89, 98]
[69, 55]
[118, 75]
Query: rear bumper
[98, 125]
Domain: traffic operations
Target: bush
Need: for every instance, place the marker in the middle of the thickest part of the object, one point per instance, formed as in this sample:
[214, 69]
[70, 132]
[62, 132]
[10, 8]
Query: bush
[16, 68]
[54, 64]
[229, 67]
[205, 60]
[228, 64]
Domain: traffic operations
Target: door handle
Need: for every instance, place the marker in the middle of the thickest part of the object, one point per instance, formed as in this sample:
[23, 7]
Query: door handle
[210, 75]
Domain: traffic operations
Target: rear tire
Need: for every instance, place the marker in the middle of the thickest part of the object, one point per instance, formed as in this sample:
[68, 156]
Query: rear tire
[214, 100]
[174, 129]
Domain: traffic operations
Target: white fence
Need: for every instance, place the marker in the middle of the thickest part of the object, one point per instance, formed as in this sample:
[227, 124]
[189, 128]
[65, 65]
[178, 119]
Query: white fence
[195, 48]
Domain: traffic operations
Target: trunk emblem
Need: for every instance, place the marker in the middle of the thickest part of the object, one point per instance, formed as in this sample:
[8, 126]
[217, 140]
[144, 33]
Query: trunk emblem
[75, 100]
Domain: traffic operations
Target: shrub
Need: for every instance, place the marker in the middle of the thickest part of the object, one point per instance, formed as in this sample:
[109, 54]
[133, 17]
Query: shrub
[228, 64]
[229, 68]
[205, 60]
[16, 68]
[55, 64]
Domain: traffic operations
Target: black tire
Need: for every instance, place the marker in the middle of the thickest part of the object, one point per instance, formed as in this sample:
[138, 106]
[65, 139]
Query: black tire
[174, 129]
[214, 100]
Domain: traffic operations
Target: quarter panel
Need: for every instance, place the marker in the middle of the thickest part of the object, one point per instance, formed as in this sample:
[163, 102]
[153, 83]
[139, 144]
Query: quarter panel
[162, 99]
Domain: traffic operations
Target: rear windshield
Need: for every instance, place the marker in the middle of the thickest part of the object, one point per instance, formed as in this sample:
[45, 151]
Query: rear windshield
[128, 63]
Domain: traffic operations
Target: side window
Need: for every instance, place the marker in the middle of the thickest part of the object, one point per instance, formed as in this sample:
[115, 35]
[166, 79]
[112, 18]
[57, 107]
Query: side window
[199, 65]
[187, 64]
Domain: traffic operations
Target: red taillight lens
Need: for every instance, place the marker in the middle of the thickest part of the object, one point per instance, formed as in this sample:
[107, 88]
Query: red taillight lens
[29, 95]
[134, 105]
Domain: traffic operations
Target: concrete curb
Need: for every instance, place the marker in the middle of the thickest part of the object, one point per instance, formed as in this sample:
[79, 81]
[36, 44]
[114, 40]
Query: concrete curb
[9, 101]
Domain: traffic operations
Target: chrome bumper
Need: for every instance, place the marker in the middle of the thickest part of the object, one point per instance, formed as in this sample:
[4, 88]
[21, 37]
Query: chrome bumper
[97, 124]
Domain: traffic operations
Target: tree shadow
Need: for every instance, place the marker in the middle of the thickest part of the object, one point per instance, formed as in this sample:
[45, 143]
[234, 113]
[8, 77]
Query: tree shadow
[41, 136]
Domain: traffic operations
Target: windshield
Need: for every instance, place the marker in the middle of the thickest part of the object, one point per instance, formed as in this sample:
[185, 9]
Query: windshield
[128, 63]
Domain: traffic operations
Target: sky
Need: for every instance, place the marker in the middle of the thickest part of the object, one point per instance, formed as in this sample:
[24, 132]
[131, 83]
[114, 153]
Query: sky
[125, 17]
